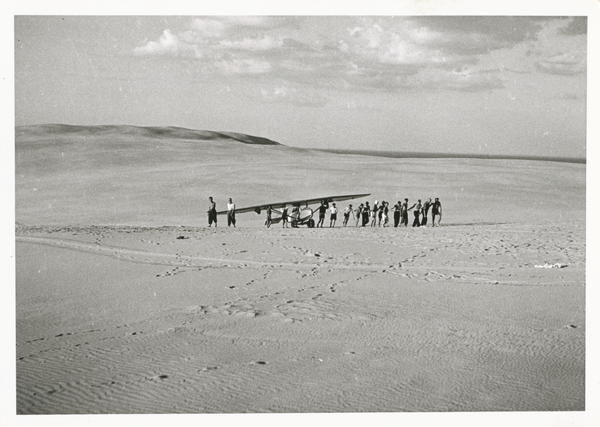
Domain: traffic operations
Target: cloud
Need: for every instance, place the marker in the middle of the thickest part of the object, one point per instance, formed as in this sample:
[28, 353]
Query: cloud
[374, 43]
[229, 25]
[387, 78]
[383, 53]
[228, 45]
[477, 34]
[566, 64]
[168, 44]
[465, 81]
[287, 95]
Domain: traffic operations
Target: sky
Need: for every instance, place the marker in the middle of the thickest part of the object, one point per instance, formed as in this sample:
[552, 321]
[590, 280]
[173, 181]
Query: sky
[492, 84]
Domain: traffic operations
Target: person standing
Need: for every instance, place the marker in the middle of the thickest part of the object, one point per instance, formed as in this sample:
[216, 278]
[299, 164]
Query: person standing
[397, 212]
[269, 219]
[359, 214]
[230, 213]
[426, 207]
[322, 211]
[333, 211]
[374, 214]
[405, 210]
[284, 217]
[365, 214]
[385, 215]
[436, 210]
[347, 212]
[212, 212]
[417, 212]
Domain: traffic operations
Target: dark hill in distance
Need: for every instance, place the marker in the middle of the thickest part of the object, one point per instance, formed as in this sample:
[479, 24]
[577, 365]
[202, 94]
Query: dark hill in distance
[154, 175]
[167, 132]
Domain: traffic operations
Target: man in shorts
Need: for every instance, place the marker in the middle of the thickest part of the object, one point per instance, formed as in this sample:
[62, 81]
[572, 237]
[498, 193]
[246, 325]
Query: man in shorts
[347, 212]
[322, 211]
[333, 216]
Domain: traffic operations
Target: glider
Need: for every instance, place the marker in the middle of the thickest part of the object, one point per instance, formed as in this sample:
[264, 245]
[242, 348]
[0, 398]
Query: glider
[300, 213]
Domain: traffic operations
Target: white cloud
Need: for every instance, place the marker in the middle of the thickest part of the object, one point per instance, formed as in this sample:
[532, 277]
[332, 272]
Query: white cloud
[167, 44]
[362, 52]
[565, 64]
[405, 45]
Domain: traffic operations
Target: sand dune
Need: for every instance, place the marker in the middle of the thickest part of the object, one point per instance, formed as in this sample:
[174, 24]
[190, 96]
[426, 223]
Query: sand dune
[127, 303]
[35, 132]
[62, 178]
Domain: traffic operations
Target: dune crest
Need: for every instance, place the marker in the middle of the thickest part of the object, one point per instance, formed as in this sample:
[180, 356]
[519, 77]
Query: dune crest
[157, 132]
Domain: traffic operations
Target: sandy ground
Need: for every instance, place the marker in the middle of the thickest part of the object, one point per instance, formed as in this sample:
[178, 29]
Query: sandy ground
[187, 320]
[126, 312]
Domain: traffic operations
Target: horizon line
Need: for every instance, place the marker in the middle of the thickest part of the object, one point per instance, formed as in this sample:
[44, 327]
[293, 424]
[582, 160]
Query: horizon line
[432, 155]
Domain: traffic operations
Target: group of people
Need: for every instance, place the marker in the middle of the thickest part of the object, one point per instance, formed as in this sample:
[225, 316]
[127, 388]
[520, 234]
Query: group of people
[212, 212]
[381, 215]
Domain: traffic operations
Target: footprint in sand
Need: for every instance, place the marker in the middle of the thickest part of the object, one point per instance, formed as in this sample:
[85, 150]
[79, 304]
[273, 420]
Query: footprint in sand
[158, 377]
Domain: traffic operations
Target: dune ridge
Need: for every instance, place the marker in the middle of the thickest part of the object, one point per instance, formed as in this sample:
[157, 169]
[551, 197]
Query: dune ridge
[155, 132]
